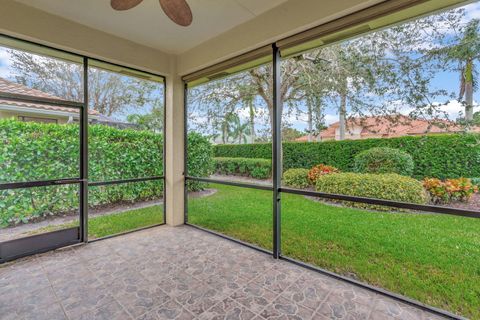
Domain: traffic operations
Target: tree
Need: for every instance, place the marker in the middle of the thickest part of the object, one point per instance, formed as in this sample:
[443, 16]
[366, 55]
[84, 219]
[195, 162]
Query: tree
[291, 134]
[315, 87]
[248, 98]
[380, 74]
[237, 130]
[152, 121]
[109, 93]
[464, 51]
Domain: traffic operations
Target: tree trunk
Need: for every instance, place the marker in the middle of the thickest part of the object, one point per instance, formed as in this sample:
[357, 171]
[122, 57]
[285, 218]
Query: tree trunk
[252, 121]
[342, 115]
[469, 92]
[224, 135]
[310, 122]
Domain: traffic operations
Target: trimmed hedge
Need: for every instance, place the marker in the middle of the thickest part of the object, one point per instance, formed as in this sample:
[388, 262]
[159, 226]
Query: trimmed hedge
[255, 168]
[37, 151]
[296, 178]
[384, 160]
[200, 159]
[389, 186]
[441, 156]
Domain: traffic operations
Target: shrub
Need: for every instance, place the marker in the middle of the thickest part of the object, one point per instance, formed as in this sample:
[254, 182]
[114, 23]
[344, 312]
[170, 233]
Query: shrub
[320, 170]
[389, 186]
[296, 178]
[255, 168]
[384, 160]
[200, 159]
[460, 189]
[37, 151]
[442, 156]
[475, 181]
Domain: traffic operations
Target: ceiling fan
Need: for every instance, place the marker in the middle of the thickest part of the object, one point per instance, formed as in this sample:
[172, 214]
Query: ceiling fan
[177, 10]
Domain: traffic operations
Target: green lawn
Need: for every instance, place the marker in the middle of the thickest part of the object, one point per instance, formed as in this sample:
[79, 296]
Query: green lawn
[102, 226]
[431, 258]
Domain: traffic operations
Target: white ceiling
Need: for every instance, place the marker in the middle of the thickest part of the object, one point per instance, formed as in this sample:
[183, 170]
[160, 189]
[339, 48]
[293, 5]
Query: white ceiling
[147, 24]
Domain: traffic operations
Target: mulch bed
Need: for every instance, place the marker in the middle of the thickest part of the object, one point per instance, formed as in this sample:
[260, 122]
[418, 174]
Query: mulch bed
[472, 204]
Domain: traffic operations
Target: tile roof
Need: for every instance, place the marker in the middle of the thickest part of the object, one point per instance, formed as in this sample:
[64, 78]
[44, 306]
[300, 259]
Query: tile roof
[393, 126]
[16, 88]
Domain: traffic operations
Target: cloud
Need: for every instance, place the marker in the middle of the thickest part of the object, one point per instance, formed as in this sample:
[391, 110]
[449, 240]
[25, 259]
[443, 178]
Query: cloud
[453, 109]
[5, 63]
[472, 11]
[300, 121]
[260, 114]
[331, 118]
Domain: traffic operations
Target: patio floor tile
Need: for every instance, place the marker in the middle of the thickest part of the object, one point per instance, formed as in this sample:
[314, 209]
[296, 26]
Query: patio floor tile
[109, 311]
[283, 308]
[228, 309]
[169, 311]
[254, 297]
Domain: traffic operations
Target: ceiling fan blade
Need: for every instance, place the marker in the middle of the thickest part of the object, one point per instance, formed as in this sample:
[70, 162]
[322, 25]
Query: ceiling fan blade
[178, 11]
[124, 4]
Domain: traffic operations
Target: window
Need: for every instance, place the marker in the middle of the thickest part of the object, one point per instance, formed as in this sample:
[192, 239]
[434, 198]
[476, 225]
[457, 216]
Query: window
[36, 119]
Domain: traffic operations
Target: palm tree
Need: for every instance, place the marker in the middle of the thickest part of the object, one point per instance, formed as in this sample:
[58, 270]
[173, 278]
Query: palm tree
[239, 131]
[464, 54]
[251, 111]
[225, 126]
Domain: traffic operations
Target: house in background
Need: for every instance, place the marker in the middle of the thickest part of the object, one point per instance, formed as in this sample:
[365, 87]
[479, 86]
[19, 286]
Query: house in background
[36, 112]
[386, 127]
[30, 111]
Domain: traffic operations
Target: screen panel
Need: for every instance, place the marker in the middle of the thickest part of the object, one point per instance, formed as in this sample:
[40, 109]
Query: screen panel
[381, 118]
[126, 123]
[425, 256]
[224, 117]
[39, 71]
[241, 213]
[119, 208]
[39, 210]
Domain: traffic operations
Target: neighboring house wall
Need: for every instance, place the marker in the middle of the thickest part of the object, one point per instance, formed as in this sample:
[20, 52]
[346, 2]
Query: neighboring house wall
[383, 127]
[16, 115]
[351, 133]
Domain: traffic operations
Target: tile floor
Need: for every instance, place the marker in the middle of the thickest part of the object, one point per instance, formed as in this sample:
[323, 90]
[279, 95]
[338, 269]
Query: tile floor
[179, 273]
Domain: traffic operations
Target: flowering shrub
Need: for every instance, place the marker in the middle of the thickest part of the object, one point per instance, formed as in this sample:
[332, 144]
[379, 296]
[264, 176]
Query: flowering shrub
[436, 189]
[460, 189]
[320, 170]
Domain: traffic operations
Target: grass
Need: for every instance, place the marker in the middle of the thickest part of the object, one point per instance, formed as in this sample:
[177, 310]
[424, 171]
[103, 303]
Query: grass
[102, 226]
[432, 258]
[107, 225]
